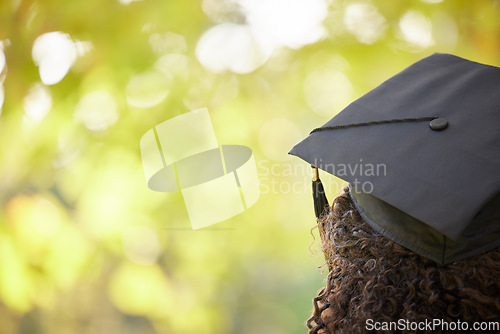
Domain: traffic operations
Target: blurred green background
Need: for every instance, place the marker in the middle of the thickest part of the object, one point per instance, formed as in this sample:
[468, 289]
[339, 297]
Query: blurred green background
[86, 247]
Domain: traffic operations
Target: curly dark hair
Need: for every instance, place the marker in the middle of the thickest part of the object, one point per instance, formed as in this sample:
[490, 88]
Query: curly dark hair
[372, 277]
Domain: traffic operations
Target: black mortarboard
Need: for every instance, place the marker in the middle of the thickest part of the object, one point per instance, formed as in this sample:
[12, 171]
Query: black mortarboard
[422, 155]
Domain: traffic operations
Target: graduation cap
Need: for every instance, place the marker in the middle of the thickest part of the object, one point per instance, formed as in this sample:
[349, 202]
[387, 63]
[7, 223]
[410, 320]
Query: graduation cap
[422, 155]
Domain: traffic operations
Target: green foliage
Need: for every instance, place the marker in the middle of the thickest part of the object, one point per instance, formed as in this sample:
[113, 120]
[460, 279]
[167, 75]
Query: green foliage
[86, 247]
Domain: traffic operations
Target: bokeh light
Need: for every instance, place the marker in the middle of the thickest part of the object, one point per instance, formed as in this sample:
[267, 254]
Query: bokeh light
[173, 64]
[54, 53]
[292, 23]
[69, 143]
[168, 42]
[127, 2]
[2, 74]
[2, 59]
[416, 29]
[37, 103]
[232, 47]
[98, 110]
[242, 48]
[148, 89]
[327, 91]
[364, 22]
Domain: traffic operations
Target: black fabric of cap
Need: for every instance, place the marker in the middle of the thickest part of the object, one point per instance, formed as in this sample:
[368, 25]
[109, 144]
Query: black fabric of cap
[441, 172]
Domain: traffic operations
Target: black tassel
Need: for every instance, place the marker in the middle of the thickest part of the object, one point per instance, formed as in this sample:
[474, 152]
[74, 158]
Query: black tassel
[319, 197]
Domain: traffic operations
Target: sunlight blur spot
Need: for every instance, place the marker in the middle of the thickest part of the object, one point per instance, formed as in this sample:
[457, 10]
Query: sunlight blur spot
[270, 24]
[3, 70]
[54, 53]
[46, 218]
[277, 136]
[5, 43]
[167, 42]
[148, 89]
[220, 10]
[83, 47]
[206, 93]
[69, 142]
[416, 29]
[364, 22]
[337, 62]
[105, 211]
[97, 110]
[127, 2]
[292, 23]
[327, 91]
[37, 103]
[432, 1]
[232, 47]
[173, 64]
[147, 27]
[140, 245]
[2, 59]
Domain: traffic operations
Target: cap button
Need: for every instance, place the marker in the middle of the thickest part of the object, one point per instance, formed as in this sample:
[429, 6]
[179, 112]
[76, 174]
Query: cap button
[438, 124]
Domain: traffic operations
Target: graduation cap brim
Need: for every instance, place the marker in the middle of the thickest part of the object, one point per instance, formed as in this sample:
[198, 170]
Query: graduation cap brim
[440, 178]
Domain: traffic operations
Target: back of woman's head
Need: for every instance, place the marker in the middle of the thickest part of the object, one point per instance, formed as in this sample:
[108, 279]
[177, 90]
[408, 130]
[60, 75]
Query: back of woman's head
[373, 279]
